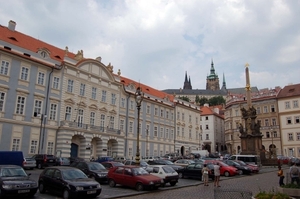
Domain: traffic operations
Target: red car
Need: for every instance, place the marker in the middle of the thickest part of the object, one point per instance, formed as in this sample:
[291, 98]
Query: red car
[109, 165]
[254, 168]
[225, 170]
[133, 176]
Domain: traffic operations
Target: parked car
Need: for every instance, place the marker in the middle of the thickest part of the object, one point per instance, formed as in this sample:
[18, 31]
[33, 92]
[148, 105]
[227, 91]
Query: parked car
[62, 161]
[225, 169]
[111, 164]
[295, 160]
[194, 170]
[11, 158]
[69, 182]
[15, 182]
[177, 168]
[75, 159]
[143, 164]
[254, 168]
[104, 159]
[184, 162]
[44, 160]
[167, 173]
[133, 176]
[120, 159]
[93, 170]
[242, 169]
[29, 163]
[283, 159]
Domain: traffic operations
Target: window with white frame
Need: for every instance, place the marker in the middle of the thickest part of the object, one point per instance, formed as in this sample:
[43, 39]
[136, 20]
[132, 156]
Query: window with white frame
[130, 127]
[4, 67]
[33, 146]
[206, 127]
[287, 105]
[68, 113]
[172, 115]
[131, 105]
[178, 115]
[80, 118]
[161, 113]
[267, 134]
[190, 133]
[257, 110]
[288, 120]
[206, 117]
[190, 118]
[70, 86]
[92, 118]
[111, 122]
[24, 73]
[207, 137]
[50, 147]
[148, 109]
[167, 114]
[103, 98]
[290, 137]
[123, 102]
[130, 152]
[155, 131]
[275, 134]
[172, 134]
[295, 103]
[113, 99]
[274, 121]
[266, 109]
[53, 109]
[38, 107]
[94, 93]
[236, 112]
[272, 108]
[20, 105]
[82, 89]
[2, 96]
[102, 121]
[298, 136]
[196, 120]
[178, 131]
[182, 132]
[167, 133]
[155, 153]
[122, 125]
[15, 144]
[267, 122]
[41, 78]
[55, 84]
[161, 132]
[182, 116]
[297, 119]
[155, 111]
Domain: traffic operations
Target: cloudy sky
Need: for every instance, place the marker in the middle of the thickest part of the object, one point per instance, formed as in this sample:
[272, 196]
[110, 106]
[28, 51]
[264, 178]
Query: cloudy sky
[156, 42]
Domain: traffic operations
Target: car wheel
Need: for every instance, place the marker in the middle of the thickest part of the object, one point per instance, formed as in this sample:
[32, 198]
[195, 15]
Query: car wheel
[180, 175]
[226, 173]
[139, 187]
[172, 183]
[1, 194]
[66, 194]
[42, 188]
[39, 166]
[240, 172]
[112, 183]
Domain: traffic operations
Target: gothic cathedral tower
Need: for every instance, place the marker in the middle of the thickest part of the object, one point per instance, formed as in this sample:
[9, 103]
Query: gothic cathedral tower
[187, 82]
[212, 80]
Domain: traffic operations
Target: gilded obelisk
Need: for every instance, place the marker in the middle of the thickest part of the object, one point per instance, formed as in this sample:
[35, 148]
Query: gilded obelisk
[251, 137]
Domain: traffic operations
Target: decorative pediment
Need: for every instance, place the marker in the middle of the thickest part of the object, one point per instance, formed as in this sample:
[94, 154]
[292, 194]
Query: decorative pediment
[69, 101]
[103, 109]
[82, 104]
[44, 53]
[183, 124]
[178, 124]
[113, 112]
[93, 106]
[191, 126]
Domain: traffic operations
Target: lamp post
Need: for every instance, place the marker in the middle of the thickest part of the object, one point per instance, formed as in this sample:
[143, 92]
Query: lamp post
[138, 99]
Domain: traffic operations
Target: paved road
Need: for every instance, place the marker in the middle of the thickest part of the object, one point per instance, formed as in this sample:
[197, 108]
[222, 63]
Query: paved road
[186, 188]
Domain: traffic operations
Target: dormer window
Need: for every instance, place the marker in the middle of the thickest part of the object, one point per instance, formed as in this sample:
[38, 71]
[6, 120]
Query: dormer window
[44, 53]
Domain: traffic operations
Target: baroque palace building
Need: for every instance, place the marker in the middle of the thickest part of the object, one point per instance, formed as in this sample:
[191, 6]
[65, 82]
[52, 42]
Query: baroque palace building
[57, 102]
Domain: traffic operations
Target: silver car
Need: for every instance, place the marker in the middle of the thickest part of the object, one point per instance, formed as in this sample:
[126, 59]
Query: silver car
[62, 161]
[29, 163]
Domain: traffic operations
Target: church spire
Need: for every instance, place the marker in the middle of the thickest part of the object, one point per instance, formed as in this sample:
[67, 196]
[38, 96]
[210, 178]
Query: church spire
[212, 69]
[224, 82]
[187, 82]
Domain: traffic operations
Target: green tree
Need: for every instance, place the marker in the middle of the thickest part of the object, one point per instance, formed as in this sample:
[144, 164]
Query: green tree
[185, 98]
[197, 99]
[203, 100]
[216, 101]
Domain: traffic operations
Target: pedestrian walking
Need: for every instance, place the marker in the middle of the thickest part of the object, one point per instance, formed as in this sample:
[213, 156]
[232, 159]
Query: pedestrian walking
[217, 174]
[281, 176]
[294, 173]
[205, 171]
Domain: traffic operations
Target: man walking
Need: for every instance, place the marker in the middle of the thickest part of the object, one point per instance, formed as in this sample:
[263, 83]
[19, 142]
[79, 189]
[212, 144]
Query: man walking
[217, 174]
[294, 173]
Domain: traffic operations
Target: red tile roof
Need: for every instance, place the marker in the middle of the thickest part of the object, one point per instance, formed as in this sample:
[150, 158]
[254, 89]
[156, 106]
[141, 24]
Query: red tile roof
[289, 91]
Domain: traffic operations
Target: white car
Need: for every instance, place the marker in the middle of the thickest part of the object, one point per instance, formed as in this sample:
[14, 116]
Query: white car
[167, 173]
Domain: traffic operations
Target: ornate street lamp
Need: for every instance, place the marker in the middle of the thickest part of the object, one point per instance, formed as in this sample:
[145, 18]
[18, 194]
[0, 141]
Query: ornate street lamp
[138, 99]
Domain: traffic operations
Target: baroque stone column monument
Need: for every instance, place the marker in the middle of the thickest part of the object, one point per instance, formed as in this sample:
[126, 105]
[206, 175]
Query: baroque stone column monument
[251, 137]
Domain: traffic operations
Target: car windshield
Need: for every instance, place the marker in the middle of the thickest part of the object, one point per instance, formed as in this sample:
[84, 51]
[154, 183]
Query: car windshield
[96, 166]
[73, 174]
[118, 164]
[168, 162]
[168, 169]
[13, 172]
[139, 171]
[143, 164]
[242, 163]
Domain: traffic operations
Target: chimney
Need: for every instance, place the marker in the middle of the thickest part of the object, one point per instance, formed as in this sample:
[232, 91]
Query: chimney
[12, 25]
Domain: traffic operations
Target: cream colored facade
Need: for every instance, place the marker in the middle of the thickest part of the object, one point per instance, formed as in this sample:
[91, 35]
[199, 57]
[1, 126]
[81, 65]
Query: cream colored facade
[289, 114]
[267, 113]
